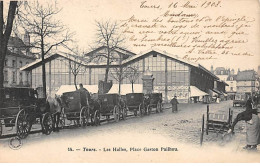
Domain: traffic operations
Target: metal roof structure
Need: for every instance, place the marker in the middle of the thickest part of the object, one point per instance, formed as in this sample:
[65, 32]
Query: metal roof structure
[37, 63]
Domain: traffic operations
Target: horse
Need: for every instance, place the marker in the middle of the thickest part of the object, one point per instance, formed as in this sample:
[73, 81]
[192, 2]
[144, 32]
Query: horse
[55, 109]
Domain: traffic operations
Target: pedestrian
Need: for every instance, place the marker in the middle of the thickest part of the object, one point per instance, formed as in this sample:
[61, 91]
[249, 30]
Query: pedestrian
[174, 103]
[252, 125]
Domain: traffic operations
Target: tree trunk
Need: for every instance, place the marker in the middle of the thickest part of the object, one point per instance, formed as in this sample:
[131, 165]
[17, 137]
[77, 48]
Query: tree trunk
[119, 88]
[43, 77]
[132, 87]
[4, 37]
[43, 68]
[75, 81]
[108, 61]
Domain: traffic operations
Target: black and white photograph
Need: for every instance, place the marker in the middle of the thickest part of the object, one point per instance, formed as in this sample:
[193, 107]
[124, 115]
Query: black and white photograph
[130, 81]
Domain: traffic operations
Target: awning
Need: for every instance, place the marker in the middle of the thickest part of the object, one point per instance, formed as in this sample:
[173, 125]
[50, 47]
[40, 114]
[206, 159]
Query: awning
[195, 92]
[217, 91]
[70, 88]
[126, 88]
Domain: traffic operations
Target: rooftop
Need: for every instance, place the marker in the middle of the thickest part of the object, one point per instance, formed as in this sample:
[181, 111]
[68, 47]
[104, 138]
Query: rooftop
[247, 75]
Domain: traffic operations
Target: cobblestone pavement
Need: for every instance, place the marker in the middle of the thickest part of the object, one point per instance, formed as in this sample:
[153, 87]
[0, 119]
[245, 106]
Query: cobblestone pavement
[176, 130]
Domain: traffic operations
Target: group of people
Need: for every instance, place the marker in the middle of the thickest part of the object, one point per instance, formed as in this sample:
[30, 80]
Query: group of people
[250, 116]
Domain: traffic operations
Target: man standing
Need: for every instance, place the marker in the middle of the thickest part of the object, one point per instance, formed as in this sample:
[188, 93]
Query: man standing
[84, 95]
[174, 103]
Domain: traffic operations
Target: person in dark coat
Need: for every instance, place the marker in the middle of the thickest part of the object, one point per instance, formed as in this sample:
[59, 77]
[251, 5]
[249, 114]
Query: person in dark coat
[84, 95]
[174, 103]
[252, 125]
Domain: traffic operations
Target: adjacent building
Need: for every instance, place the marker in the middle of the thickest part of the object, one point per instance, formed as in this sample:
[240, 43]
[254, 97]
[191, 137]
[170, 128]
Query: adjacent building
[18, 55]
[172, 75]
[247, 82]
[232, 88]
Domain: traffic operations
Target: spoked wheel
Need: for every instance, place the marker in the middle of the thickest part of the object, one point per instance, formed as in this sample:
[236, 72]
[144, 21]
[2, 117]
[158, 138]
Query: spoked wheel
[124, 113]
[47, 123]
[141, 110]
[149, 109]
[202, 131]
[97, 118]
[23, 124]
[135, 112]
[116, 113]
[62, 119]
[83, 116]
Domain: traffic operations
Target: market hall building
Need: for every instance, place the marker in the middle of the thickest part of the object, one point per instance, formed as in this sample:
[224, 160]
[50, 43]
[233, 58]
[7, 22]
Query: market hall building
[172, 75]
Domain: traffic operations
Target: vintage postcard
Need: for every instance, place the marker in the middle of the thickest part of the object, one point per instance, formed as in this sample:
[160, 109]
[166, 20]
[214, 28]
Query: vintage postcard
[130, 81]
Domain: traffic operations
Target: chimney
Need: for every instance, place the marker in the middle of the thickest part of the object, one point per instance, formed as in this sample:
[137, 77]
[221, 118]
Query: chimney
[232, 72]
[26, 38]
[211, 69]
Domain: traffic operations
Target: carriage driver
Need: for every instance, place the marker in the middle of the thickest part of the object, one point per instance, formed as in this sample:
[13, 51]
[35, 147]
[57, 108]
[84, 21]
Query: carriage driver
[84, 93]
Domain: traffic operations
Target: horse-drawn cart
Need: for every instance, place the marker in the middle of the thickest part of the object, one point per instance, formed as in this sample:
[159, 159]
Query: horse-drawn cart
[135, 102]
[21, 108]
[75, 107]
[155, 101]
[112, 104]
[218, 122]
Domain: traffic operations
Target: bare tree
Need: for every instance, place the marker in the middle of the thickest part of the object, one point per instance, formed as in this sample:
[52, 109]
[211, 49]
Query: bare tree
[77, 62]
[45, 31]
[119, 74]
[108, 35]
[5, 32]
[133, 75]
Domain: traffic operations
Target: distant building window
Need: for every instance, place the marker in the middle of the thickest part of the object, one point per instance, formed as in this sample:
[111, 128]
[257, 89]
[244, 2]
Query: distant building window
[5, 75]
[27, 76]
[231, 78]
[221, 72]
[231, 88]
[14, 77]
[21, 77]
[21, 64]
[14, 63]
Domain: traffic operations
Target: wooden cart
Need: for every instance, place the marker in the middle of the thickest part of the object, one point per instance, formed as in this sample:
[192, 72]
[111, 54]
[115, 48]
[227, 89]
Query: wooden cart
[111, 104]
[21, 108]
[155, 101]
[217, 122]
[135, 102]
[75, 108]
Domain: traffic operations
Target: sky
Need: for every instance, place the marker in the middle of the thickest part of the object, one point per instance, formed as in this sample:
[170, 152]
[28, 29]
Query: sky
[80, 16]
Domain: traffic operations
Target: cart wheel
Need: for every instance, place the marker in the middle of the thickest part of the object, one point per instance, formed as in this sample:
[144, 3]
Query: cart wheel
[207, 127]
[97, 118]
[116, 113]
[62, 119]
[124, 113]
[141, 110]
[1, 128]
[135, 112]
[23, 125]
[149, 109]
[202, 131]
[47, 123]
[83, 116]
